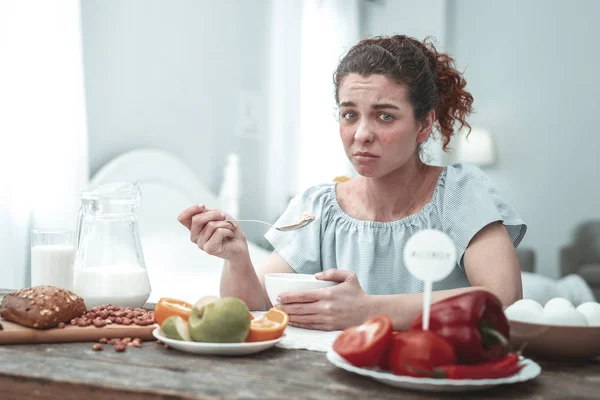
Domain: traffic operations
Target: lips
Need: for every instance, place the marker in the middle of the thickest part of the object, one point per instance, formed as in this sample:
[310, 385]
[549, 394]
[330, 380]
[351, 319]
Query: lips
[363, 157]
[365, 154]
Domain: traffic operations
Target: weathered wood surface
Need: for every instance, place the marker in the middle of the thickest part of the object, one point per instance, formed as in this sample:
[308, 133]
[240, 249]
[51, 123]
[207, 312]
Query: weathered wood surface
[75, 371]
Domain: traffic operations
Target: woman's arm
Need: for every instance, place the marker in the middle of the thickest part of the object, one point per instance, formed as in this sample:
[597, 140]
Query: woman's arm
[490, 263]
[239, 279]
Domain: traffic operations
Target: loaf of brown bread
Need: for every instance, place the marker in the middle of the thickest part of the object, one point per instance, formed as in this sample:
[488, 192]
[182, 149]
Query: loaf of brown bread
[41, 307]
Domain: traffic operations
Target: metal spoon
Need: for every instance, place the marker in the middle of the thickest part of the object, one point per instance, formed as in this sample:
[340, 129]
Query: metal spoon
[284, 228]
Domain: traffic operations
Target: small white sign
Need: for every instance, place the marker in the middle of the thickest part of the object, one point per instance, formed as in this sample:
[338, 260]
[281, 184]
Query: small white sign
[429, 255]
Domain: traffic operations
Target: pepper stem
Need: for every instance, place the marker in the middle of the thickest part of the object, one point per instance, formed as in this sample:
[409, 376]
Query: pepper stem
[496, 335]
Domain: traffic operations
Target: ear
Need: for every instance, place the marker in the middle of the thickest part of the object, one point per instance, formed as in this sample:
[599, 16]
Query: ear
[426, 126]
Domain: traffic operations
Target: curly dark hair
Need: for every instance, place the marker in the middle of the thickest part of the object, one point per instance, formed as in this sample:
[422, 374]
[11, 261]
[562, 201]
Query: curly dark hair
[431, 77]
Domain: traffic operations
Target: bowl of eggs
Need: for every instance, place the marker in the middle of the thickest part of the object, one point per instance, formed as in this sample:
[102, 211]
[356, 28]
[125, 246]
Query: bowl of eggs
[556, 330]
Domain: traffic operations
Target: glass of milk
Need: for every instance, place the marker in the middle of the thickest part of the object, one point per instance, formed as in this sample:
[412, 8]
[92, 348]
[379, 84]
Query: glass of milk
[52, 256]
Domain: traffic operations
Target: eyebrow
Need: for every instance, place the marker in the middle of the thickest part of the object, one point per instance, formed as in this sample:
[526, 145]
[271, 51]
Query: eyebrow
[374, 106]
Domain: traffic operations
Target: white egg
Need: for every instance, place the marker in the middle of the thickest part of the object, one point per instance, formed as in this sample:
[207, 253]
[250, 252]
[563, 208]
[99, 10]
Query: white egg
[525, 310]
[591, 310]
[564, 317]
[558, 303]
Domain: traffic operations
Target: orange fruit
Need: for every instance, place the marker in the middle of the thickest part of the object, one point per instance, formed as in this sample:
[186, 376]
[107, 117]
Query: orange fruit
[268, 326]
[167, 307]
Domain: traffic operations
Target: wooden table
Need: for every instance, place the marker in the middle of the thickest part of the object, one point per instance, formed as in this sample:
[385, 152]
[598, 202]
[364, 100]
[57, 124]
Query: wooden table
[75, 371]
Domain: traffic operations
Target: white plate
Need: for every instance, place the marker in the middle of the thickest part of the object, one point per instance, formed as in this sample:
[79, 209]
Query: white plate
[529, 371]
[217, 349]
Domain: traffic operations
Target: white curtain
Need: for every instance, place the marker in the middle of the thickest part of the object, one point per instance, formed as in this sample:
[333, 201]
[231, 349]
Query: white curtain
[329, 29]
[43, 137]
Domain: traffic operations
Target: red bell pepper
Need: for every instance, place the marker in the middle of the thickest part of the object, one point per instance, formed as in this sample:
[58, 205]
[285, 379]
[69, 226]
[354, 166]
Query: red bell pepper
[473, 322]
[422, 350]
[365, 345]
[502, 368]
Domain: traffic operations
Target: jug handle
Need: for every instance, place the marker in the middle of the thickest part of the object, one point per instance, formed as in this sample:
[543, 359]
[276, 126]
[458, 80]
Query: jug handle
[78, 229]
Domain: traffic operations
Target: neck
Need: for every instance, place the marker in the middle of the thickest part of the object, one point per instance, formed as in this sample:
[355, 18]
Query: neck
[392, 196]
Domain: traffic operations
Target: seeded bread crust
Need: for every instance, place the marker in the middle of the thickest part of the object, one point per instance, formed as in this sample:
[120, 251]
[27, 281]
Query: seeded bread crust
[41, 307]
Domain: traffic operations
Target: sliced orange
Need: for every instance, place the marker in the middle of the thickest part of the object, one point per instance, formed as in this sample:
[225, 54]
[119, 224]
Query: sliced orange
[268, 326]
[167, 307]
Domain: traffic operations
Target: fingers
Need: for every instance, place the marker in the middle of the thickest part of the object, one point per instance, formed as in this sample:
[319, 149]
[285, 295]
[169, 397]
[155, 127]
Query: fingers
[301, 297]
[208, 231]
[214, 246]
[299, 308]
[185, 218]
[200, 221]
[336, 275]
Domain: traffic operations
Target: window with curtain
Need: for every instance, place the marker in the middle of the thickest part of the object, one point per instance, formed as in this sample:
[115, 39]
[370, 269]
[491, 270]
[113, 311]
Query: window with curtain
[43, 151]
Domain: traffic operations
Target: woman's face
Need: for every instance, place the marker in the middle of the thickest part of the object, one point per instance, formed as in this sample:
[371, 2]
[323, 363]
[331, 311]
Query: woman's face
[377, 124]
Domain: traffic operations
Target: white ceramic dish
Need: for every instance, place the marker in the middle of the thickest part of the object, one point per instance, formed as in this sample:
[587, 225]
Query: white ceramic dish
[529, 371]
[217, 349]
[277, 284]
[555, 341]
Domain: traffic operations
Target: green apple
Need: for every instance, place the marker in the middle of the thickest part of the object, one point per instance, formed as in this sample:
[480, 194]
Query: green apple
[225, 320]
[176, 328]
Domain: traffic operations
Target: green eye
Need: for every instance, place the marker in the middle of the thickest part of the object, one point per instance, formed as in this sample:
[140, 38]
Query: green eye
[349, 115]
[386, 117]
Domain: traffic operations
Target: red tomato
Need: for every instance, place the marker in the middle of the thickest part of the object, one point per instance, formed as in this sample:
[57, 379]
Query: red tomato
[414, 353]
[366, 344]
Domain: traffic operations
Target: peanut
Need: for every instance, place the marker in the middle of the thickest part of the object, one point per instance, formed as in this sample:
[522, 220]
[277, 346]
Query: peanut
[97, 347]
[103, 340]
[119, 348]
[61, 325]
[99, 323]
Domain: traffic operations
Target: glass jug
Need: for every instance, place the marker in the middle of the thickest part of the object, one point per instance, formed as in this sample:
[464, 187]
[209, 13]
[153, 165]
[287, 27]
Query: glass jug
[109, 263]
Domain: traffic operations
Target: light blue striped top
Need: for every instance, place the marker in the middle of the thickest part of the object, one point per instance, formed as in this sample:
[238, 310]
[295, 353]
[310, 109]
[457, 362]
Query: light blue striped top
[464, 201]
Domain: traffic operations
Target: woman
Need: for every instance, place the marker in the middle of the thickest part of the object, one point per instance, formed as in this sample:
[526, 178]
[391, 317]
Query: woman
[391, 92]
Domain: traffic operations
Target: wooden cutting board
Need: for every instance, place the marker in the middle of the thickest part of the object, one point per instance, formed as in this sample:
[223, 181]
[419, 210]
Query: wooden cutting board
[16, 334]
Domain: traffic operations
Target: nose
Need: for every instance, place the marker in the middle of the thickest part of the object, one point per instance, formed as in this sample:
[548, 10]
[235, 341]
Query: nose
[364, 132]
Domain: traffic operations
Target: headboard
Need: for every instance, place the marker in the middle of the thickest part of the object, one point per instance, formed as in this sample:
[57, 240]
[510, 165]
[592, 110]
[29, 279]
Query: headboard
[176, 266]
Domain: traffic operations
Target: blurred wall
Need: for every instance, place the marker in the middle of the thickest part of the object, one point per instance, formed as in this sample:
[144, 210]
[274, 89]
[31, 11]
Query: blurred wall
[532, 67]
[181, 76]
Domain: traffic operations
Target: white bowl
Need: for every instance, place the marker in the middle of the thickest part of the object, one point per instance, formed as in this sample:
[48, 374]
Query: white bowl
[277, 284]
[556, 341]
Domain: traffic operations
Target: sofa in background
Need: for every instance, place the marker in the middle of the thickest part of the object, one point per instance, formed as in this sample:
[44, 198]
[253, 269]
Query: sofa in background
[582, 255]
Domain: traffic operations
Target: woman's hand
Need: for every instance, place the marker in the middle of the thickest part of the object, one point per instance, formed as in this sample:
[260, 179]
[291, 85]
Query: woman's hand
[212, 234]
[332, 308]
